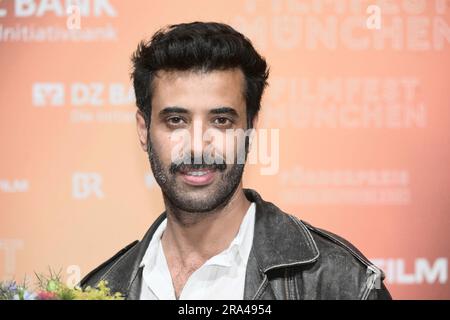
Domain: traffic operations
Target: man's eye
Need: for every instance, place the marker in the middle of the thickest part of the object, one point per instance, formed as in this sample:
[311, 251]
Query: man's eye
[175, 120]
[222, 121]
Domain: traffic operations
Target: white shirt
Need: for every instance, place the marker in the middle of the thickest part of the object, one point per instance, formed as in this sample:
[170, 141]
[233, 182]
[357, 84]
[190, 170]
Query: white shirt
[220, 277]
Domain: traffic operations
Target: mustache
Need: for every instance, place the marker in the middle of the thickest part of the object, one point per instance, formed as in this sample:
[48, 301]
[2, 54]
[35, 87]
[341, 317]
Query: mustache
[195, 164]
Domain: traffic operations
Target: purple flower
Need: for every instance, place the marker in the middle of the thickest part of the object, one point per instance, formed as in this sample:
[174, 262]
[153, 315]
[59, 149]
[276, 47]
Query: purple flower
[12, 287]
[25, 295]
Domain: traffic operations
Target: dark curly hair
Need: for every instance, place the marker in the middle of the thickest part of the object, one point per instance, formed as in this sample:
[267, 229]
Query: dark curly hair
[203, 46]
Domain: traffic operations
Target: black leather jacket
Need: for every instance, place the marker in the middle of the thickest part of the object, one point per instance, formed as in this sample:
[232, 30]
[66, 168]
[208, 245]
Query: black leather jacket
[289, 259]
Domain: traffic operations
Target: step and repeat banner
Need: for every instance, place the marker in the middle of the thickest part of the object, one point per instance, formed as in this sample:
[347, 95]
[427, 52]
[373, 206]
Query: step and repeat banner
[359, 98]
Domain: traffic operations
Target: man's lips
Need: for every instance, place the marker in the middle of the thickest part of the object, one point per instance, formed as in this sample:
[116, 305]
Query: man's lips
[198, 177]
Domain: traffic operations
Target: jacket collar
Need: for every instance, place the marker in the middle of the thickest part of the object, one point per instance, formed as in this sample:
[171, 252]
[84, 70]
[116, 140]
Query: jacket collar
[280, 240]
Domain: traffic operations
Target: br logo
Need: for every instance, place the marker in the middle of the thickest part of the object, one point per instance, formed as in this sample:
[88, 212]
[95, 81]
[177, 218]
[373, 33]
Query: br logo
[86, 185]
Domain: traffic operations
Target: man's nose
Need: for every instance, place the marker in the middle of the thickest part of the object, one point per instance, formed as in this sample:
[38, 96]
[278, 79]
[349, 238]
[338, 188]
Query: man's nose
[198, 144]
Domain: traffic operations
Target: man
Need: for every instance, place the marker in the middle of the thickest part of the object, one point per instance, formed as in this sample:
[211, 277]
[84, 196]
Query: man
[217, 240]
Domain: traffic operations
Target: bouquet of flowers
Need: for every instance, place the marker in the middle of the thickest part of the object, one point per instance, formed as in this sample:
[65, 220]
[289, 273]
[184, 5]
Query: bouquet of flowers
[52, 288]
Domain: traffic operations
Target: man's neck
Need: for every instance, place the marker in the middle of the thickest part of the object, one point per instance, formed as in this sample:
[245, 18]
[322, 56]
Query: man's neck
[207, 236]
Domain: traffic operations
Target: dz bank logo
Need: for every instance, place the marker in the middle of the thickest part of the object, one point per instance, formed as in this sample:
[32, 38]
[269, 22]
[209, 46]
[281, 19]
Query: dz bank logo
[59, 8]
[51, 94]
[56, 94]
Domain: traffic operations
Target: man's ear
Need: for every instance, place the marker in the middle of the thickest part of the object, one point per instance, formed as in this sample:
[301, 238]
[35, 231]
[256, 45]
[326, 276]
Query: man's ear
[254, 124]
[255, 121]
[249, 139]
[141, 129]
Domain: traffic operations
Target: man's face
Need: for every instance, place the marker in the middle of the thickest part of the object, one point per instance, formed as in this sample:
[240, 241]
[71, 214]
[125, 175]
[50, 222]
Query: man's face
[194, 115]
